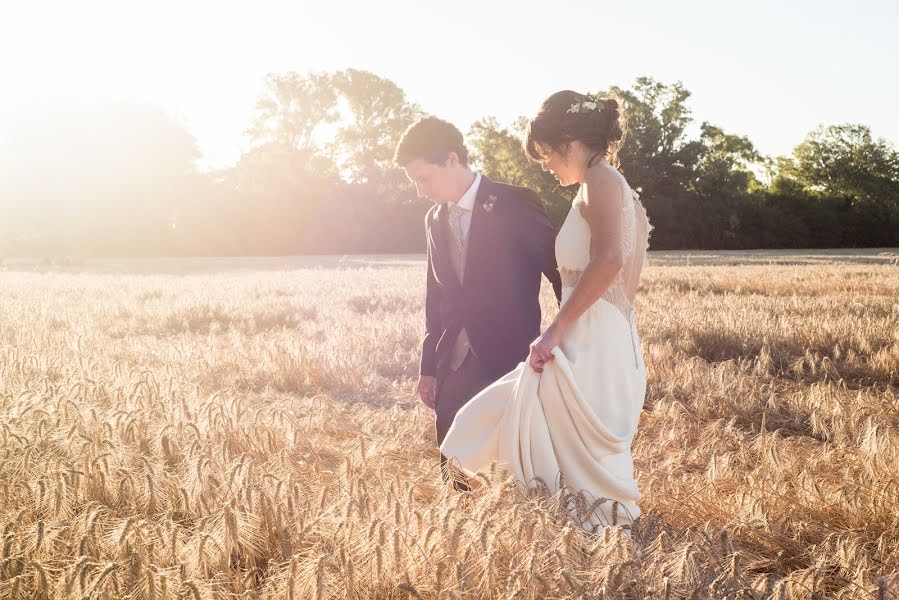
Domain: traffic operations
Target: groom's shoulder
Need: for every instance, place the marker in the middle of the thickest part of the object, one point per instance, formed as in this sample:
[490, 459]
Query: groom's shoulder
[523, 195]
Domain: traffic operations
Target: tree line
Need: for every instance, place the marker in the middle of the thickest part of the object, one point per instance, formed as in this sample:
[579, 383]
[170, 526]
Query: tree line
[318, 178]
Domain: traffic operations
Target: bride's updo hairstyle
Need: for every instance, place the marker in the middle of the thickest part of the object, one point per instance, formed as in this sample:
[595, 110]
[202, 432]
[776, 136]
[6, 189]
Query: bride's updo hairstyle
[596, 121]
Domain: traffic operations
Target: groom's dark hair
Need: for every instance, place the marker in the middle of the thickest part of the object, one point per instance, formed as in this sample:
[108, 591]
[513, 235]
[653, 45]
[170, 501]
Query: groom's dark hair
[431, 139]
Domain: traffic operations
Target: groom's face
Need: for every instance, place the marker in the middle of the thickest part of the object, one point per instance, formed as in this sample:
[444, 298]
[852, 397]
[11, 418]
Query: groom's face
[433, 181]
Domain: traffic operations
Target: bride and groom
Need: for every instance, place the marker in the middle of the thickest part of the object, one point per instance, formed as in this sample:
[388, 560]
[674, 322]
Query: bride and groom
[558, 408]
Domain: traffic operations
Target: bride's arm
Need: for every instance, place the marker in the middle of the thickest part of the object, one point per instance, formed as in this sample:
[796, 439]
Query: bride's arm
[602, 210]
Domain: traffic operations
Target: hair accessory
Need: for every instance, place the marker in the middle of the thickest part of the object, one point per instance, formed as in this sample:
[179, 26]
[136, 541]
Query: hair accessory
[587, 105]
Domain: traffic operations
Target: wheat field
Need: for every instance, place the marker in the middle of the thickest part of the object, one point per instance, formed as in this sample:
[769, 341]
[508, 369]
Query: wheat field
[253, 433]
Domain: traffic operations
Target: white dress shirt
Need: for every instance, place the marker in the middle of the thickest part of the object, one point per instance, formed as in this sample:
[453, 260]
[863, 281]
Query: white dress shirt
[467, 202]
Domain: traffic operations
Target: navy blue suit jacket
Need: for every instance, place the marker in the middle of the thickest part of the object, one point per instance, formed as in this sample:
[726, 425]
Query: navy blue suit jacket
[510, 246]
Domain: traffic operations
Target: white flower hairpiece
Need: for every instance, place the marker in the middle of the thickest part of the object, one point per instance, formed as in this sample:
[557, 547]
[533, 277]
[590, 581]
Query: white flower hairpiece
[586, 105]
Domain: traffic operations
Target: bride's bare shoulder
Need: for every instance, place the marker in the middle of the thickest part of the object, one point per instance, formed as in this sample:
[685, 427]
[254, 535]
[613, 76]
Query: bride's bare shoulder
[603, 184]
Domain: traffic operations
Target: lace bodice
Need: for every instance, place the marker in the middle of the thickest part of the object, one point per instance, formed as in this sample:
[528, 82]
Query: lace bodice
[573, 244]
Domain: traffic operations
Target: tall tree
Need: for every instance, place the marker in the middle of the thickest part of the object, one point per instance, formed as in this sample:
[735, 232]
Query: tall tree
[852, 179]
[657, 157]
[379, 113]
[292, 108]
[845, 160]
[725, 165]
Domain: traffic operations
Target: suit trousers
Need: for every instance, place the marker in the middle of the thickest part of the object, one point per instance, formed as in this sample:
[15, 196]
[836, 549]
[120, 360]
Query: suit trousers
[454, 390]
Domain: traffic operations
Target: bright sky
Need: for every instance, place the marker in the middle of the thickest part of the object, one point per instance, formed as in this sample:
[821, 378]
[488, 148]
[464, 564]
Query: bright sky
[771, 69]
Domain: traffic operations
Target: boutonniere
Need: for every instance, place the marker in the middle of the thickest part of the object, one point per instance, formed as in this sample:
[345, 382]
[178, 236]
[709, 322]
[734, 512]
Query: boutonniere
[488, 204]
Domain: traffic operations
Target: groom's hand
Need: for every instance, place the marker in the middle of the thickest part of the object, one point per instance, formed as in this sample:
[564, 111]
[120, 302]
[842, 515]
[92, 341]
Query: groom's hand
[427, 390]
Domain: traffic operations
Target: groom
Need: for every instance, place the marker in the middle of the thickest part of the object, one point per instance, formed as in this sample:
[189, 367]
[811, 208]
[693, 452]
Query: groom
[488, 244]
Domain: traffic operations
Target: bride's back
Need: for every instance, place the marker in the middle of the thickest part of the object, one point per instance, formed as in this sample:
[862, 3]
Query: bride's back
[635, 231]
[633, 267]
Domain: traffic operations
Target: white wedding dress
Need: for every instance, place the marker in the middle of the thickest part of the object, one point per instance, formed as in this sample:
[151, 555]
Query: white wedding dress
[571, 426]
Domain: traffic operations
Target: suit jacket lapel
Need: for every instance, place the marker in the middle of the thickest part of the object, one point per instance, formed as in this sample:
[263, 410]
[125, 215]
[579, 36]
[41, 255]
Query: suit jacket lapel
[474, 241]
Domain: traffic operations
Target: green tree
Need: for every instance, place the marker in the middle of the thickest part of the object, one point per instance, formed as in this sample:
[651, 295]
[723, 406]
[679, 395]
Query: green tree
[379, 113]
[851, 182]
[845, 160]
[293, 108]
[721, 188]
[657, 158]
[724, 168]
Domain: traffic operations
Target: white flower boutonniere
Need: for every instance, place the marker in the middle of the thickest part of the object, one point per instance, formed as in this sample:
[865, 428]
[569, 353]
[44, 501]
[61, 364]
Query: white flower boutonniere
[491, 200]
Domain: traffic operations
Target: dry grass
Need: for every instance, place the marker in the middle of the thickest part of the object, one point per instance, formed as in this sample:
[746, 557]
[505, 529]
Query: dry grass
[253, 435]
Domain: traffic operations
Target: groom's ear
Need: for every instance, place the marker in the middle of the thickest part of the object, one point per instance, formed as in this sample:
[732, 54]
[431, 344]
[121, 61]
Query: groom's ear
[452, 160]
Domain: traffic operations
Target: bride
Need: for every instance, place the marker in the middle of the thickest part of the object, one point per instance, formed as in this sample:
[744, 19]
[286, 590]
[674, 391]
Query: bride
[566, 418]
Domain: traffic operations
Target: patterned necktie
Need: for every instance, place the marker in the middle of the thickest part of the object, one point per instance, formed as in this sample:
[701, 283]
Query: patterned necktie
[455, 218]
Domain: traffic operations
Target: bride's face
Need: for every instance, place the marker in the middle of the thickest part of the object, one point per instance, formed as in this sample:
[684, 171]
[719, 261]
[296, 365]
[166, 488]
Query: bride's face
[560, 165]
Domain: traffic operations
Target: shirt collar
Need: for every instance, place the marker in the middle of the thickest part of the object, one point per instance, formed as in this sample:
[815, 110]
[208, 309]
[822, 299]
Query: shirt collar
[467, 199]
